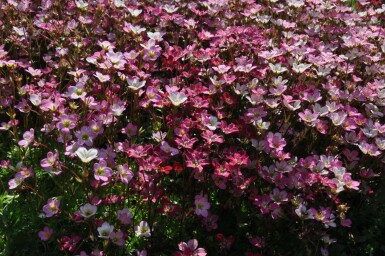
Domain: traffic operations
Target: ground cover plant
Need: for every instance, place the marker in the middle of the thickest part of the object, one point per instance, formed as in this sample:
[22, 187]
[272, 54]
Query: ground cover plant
[217, 127]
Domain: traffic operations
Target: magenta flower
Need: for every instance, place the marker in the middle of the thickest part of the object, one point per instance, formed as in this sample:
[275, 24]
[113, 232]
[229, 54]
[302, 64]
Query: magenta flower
[67, 122]
[190, 249]
[51, 208]
[46, 233]
[69, 243]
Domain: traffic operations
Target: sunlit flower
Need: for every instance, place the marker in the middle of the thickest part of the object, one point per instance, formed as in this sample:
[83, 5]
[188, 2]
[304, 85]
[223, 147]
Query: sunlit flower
[143, 229]
[177, 98]
[85, 155]
[51, 208]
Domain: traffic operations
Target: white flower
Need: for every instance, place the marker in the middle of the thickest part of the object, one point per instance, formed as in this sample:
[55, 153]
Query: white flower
[277, 68]
[119, 3]
[135, 13]
[212, 123]
[177, 98]
[338, 117]
[105, 230]
[142, 229]
[86, 155]
[137, 29]
[35, 99]
[88, 210]
[300, 68]
[156, 35]
[135, 84]
[81, 4]
[102, 78]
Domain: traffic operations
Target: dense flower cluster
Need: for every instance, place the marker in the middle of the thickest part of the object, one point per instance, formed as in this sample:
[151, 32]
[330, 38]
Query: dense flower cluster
[159, 119]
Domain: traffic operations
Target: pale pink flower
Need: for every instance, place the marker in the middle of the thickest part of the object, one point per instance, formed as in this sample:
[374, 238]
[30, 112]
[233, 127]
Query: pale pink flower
[135, 84]
[124, 216]
[190, 249]
[168, 149]
[308, 116]
[15, 182]
[102, 171]
[28, 138]
[201, 205]
[46, 233]
[125, 173]
[275, 141]
[117, 238]
[51, 208]
[102, 78]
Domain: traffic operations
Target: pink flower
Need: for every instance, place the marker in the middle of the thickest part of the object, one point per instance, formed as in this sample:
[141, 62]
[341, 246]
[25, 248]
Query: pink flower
[168, 149]
[85, 136]
[51, 208]
[190, 249]
[124, 216]
[15, 182]
[276, 141]
[125, 173]
[28, 138]
[201, 205]
[349, 183]
[308, 116]
[130, 130]
[117, 238]
[101, 171]
[46, 233]
[50, 163]
[77, 91]
[69, 243]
